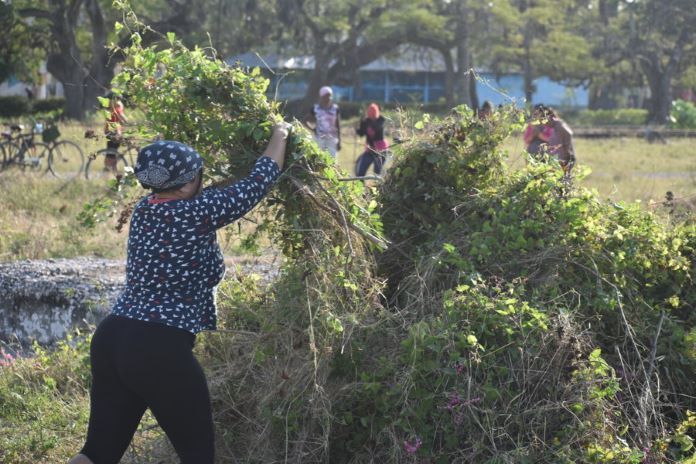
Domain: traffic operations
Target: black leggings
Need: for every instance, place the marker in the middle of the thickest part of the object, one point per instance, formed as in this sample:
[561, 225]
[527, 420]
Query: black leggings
[138, 365]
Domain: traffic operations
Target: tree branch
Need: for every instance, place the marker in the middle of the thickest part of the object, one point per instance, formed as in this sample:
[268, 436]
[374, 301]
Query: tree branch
[676, 55]
[313, 27]
[96, 18]
[362, 55]
[34, 13]
[74, 12]
[180, 23]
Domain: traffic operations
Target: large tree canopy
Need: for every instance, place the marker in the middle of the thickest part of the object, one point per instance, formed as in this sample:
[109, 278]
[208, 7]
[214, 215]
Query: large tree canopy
[608, 43]
[343, 36]
[658, 36]
[538, 39]
[79, 33]
[19, 45]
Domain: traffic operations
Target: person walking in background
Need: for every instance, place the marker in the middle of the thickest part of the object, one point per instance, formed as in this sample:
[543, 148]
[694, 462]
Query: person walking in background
[561, 141]
[141, 354]
[486, 110]
[372, 128]
[325, 121]
[537, 133]
[113, 129]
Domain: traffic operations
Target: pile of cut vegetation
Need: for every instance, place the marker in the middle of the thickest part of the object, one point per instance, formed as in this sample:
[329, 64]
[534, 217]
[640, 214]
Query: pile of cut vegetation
[512, 318]
[271, 367]
[522, 320]
[538, 322]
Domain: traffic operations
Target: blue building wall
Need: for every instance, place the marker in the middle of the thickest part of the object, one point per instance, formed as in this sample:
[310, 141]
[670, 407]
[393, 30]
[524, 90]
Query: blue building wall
[427, 87]
[511, 87]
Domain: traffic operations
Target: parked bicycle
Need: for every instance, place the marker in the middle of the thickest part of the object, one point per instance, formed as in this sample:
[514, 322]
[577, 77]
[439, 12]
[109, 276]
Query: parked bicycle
[98, 168]
[63, 159]
[20, 149]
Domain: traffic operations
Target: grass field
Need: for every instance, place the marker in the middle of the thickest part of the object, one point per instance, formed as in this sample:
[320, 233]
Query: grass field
[38, 213]
[631, 169]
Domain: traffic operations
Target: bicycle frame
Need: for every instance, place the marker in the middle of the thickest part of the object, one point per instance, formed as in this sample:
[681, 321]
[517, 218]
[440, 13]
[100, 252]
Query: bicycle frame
[23, 142]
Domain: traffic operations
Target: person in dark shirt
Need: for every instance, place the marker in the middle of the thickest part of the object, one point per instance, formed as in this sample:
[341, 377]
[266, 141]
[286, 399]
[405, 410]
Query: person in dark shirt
[372, 128]
[141, 354]
[486, 110]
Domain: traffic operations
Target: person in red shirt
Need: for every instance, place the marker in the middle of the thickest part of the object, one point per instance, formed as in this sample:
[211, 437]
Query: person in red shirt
[537, 133]
[561, 141]
[113, 129]
[372, 128]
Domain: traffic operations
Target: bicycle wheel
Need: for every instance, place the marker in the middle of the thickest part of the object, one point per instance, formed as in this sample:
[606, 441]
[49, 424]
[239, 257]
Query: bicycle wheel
[66, 160]
[4, 148]
[36, 157]
[131, 156]
[105, 164]
[9, 151]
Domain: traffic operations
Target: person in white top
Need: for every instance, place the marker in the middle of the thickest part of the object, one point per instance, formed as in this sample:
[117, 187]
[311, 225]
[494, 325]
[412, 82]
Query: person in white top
[325, 121]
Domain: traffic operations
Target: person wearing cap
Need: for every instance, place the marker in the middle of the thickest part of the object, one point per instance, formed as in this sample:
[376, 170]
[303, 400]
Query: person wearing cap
[325, 121]
[141, 354]
[372, 128]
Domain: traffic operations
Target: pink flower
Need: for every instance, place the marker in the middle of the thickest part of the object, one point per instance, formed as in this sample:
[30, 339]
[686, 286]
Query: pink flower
[6, 359]
[455, 400]
[411, 448]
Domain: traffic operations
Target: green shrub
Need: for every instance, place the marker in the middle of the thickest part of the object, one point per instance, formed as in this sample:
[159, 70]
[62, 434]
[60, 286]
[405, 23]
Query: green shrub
[13, 106]
[683, 115]
[48, 105]
[618, 117]
[18, 106]
[498, 271]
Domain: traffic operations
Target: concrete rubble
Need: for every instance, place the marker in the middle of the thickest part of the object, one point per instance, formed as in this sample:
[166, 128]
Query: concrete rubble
[46, 300]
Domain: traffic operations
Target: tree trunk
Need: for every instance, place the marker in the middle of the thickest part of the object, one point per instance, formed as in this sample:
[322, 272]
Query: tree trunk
[72, 78]
[74, 99]
[83, 85]
[463, 63]
[450, 77]
[660, 82]
[473, 93]
[528, 76]
[322, 60]
[101, 70]
[529, 87]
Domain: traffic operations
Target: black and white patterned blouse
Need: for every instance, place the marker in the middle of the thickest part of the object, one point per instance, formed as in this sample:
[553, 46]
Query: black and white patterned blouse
[174, 261]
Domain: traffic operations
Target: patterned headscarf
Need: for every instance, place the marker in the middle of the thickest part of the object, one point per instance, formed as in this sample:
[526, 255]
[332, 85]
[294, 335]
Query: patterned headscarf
[167, 164]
